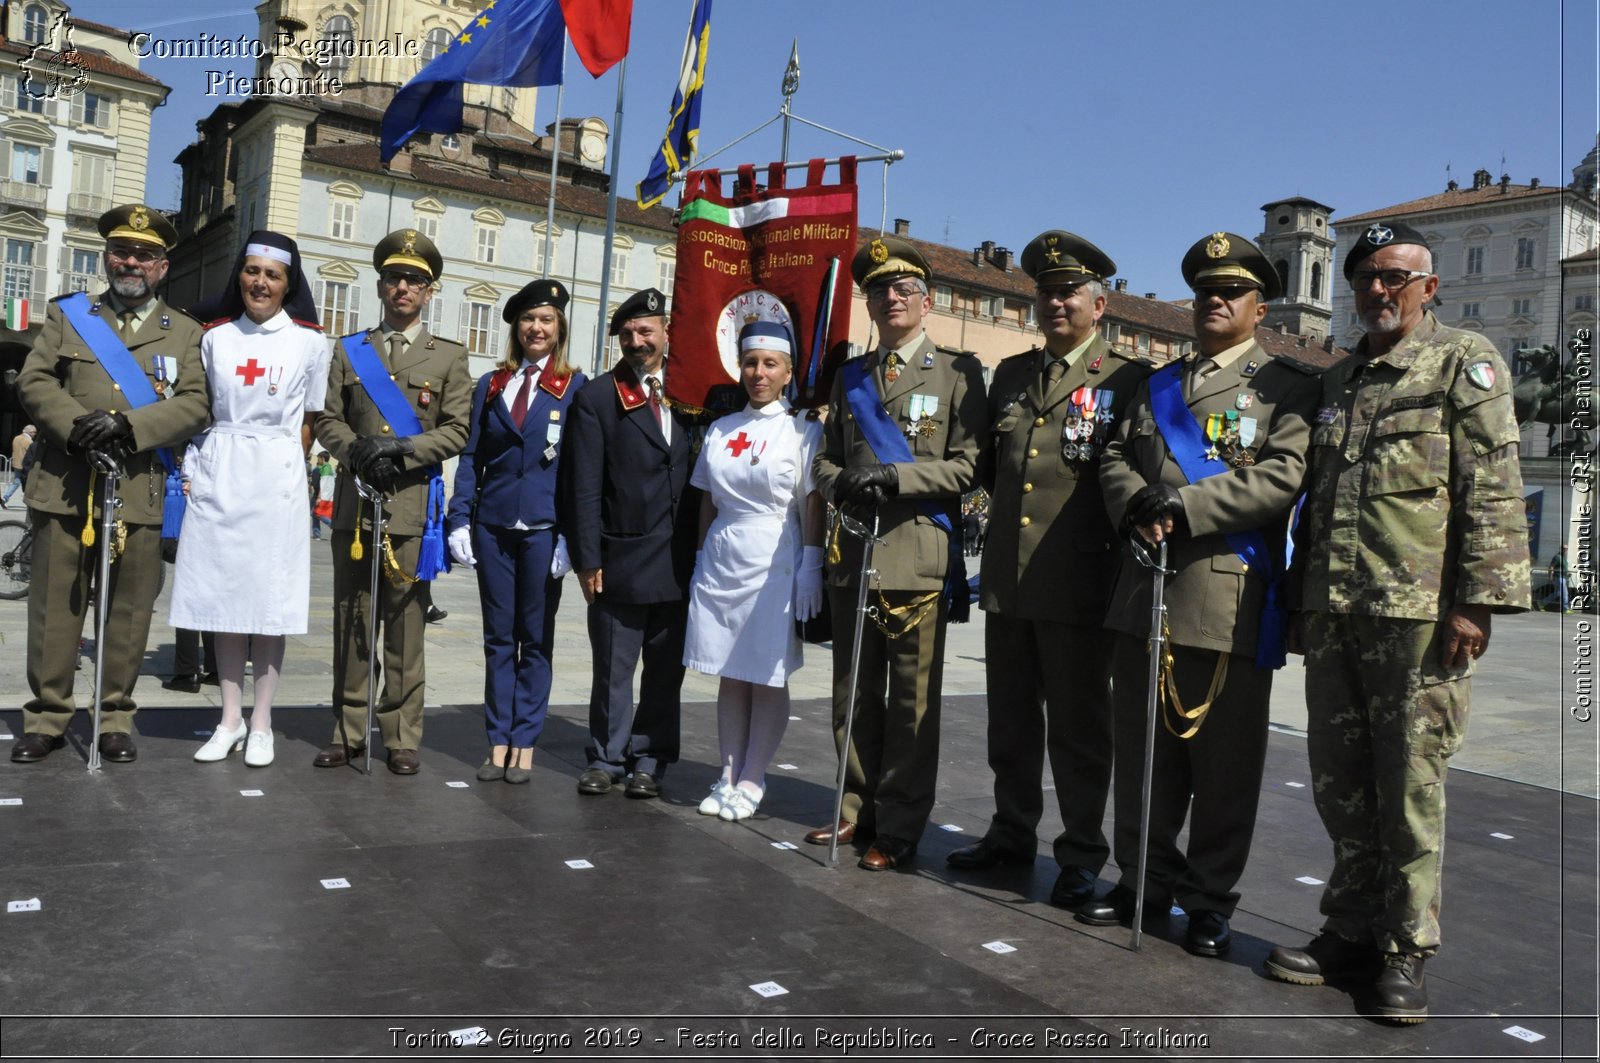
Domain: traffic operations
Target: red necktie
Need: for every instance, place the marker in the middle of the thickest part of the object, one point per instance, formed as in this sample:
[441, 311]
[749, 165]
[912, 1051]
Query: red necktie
[655, 404]
[519, 408]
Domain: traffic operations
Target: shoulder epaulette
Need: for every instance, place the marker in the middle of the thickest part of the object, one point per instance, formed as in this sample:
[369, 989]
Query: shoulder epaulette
[955, 352]
[209, 325]
[312, 325]
[1308, 368]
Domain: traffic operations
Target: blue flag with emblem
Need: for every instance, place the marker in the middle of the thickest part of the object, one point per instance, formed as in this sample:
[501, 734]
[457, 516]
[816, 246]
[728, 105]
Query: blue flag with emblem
[683, 121]
[510, 42]
[1188, 447]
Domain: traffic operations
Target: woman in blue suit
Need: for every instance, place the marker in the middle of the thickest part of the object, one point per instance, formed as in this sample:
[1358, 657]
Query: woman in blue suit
[502, 521]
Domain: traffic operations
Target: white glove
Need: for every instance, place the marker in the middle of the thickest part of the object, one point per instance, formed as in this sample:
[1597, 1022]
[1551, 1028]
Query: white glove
[560, 559]
[808, 584]
[460, 542]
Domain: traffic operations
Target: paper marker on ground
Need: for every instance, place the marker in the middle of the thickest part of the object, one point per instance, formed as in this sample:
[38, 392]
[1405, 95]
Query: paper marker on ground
[999, 946]
[335, 884]
[579, 865]
[769, 989]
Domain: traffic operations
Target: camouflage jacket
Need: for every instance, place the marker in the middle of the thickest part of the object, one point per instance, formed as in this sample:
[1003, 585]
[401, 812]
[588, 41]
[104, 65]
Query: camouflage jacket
[1414, 501]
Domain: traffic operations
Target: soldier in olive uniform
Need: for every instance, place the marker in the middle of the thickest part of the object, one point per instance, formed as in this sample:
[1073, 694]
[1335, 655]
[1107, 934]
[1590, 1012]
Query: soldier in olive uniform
[1414, 534]
[432, 375]
[927, 405]
[1047, 569]
[1210, 457]
[67, 389]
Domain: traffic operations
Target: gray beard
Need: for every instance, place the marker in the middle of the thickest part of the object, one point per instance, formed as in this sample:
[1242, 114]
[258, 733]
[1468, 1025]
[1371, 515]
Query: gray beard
[130, 287]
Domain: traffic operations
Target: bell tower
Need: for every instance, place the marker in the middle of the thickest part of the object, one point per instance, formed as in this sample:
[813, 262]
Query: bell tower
[1297, 242]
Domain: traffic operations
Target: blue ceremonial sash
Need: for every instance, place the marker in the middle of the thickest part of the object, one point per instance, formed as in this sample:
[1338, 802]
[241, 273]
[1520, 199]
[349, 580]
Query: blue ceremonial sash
[386, 395]
[125, 371]
[889, 445]
[1188, 445]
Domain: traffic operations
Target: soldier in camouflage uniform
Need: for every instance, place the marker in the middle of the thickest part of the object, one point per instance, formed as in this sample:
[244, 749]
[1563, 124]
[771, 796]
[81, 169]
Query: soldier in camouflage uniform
[1413, 535]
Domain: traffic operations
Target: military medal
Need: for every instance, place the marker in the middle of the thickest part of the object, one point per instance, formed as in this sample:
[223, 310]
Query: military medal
[1213, 433]
[160, 366]
[1242, 457]
[424, 397]
[1104, 397]
[1243, 400]
[272, 380]
[891, 368]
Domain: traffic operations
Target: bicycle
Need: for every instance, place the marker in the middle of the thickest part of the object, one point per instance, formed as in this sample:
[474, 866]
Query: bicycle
[16, 558]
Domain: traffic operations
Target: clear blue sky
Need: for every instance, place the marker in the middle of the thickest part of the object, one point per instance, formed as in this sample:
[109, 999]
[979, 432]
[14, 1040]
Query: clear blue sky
[1141, 125]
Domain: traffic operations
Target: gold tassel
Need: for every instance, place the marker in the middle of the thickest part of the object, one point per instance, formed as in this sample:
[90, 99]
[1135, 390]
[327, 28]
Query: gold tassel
[356, 552]
[1171, 704]
[87, 536]
[835, 555]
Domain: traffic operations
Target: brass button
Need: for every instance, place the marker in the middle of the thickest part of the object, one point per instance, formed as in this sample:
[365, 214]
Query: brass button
[1033, 452]
[1026, 488]
[1038, 422]
[1026, 521]
[385, 428]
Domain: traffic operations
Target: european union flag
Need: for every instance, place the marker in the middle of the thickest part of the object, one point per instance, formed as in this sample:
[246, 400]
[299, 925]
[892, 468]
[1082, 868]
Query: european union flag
[683, 126]
[511, 42]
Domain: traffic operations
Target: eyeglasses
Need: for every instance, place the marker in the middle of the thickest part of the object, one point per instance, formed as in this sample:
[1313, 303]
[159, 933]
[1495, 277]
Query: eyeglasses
[1226, 292]
[1063, 292]
[142, 256]
[410, 280]
[906, 291]
[1391, 279]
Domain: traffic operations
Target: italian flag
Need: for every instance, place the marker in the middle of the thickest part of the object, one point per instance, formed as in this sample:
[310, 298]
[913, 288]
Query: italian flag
[765, 211]
[17, 315]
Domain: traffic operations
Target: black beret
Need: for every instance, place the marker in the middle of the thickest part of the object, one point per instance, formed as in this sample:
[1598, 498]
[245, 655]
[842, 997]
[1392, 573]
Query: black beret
[1060, 257]
[1378, 236]
[1228, 258]
[543, 292]
[647, 303]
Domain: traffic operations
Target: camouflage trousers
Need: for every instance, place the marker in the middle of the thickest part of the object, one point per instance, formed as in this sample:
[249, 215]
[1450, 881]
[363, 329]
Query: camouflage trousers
[1383, 720]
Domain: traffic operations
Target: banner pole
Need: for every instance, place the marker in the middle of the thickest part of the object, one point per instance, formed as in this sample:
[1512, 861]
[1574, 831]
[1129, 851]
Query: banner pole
[555, 159]
[611, 226]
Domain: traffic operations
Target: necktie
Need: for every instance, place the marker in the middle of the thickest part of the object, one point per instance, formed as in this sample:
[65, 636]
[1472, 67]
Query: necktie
[397, 343]
[1053, 372]
[1203, 368]
[519, 408]
[655, 403]
[125, 325]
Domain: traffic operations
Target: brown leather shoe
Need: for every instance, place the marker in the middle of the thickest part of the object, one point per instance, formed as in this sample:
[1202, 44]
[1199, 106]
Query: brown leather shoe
[33, 747]
[887, 854]
[118, 748]
[404, 761]
[824, 835]
[337, 755]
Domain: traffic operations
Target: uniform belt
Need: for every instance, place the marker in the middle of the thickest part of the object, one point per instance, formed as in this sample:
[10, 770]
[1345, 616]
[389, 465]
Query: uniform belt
[260, 431]
[771, 516]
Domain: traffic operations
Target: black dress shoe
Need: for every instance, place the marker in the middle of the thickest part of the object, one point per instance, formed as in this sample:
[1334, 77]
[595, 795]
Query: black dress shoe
[118, 748]
[188, 683]
[1327, 956]
[985, 854]
[1399, 994]
[337, 755]
[888, 854]
[1207, 933]
[1116, 907]
[1074, 887]
[435, 614]
[594, 781]
[642, 785]
[211, 679]
[32, 747]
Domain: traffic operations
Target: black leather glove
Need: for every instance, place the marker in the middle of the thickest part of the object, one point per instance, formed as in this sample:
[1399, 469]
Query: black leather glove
[867, 485]
[366, 449]
[381, 473]
[98, 429]
[1154, 501]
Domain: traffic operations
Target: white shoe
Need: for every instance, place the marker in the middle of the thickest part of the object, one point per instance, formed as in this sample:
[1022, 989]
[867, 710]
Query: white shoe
[221, 743]
[720, 791]
[258, 749]
[738, 805]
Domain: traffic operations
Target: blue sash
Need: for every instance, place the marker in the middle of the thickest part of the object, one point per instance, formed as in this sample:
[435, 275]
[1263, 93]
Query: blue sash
[889, 444]
[1188, 445]
[386, 395]
[125, 371]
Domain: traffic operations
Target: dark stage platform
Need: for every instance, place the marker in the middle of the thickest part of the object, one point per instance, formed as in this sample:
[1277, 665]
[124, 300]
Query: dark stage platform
[335, 915]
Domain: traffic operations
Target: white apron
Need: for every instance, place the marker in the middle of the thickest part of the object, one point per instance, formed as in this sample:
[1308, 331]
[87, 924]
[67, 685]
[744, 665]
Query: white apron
[756, 465]
[244, 554]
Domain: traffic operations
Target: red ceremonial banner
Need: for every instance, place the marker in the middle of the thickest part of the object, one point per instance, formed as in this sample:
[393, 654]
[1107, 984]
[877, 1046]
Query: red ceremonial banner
[773, 253]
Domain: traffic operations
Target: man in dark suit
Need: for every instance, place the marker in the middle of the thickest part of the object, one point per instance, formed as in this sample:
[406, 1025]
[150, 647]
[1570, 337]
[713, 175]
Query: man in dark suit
[926, 411]
[66, 387]
[433, 378]
[1047, 570]
[1210, 458]
[630, 526]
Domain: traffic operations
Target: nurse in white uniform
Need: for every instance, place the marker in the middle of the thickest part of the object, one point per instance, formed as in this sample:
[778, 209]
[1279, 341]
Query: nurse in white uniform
[759, 568]
[244, 558]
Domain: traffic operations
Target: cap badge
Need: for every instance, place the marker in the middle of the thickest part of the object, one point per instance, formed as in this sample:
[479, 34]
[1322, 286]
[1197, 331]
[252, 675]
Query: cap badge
[878, 251]
[1052, 254]
[651, 303]
[410, 245]
[554, 292]
[1218, 246]
[139, 219]
[1379, 235]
